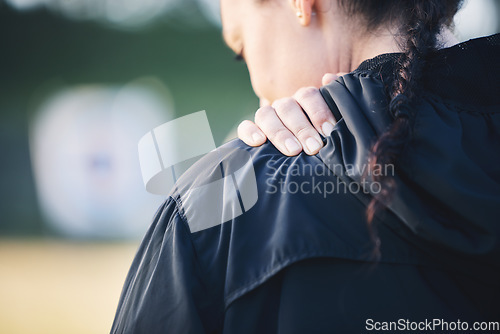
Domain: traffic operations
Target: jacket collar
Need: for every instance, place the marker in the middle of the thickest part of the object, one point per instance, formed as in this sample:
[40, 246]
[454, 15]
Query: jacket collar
[455, 70]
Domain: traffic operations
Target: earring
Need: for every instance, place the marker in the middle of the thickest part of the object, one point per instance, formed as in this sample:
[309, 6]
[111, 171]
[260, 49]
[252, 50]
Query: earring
[299, 14]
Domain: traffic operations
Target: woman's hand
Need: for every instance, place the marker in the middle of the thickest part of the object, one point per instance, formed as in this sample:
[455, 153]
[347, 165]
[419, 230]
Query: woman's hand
[285, 124]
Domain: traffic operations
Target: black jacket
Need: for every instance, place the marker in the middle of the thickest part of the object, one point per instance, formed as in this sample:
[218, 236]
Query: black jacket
[252, 241]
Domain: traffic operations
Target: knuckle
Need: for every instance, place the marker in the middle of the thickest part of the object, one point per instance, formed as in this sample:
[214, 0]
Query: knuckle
[284, 104]
[280, 134]
[263, 112]
[287, 109]
[305, 93]
[304, 132]
[319, 113]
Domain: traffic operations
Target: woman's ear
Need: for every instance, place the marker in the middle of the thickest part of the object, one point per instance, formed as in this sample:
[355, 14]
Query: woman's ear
[303, 10]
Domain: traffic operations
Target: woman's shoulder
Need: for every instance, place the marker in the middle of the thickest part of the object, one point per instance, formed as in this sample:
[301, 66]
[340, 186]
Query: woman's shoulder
[250, 212]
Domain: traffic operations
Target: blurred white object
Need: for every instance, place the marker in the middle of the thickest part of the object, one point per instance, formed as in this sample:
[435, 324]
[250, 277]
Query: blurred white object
[477, 18]
[84, 153]
[128, 13]
[211, 10]
[221, 188]
[170, 145]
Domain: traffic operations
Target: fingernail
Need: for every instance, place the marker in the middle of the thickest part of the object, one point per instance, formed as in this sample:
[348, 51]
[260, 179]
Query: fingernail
[257, 137]
[327, 128]
[312, 145]
[292, 145]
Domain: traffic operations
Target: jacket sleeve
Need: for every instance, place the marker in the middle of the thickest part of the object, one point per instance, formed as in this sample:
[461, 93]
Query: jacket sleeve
[163, 292]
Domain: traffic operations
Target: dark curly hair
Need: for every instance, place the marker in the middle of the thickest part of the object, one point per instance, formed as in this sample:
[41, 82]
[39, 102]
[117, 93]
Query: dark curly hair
[419, 22]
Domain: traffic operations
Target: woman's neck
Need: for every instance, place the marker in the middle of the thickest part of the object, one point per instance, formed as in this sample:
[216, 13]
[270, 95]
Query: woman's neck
[370, 45]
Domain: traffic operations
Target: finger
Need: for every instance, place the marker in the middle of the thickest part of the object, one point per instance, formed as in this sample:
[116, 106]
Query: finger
[251, 134]
[293, 117]
[267, 120]
[313, 104]
[327, 78]
[341, 74]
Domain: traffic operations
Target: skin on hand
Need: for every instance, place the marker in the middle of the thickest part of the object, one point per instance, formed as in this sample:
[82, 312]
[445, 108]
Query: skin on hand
[285, 123]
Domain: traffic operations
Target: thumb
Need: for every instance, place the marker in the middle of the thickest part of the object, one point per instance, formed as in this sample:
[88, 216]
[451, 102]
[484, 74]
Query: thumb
[327, 78]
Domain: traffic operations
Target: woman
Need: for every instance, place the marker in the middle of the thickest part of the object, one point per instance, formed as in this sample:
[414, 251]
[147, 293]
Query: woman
[392, 226]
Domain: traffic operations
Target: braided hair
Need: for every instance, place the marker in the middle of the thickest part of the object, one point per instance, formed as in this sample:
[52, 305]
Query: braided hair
[420, 22]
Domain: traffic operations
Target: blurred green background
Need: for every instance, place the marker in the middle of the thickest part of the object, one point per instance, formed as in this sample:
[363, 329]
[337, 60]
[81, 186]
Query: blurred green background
[43, 51]
[57, 279]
